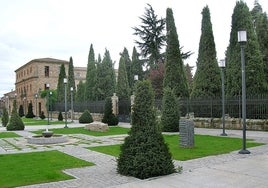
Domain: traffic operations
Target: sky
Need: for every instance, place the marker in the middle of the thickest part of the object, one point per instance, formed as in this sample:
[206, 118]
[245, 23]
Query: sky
[31, 29]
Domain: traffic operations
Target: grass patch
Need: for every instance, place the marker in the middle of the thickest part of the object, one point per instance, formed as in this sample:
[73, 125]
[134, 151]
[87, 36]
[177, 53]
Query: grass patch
[33, 121]
[37, 167]
[113, 130]
[8, 135]
[204, 146]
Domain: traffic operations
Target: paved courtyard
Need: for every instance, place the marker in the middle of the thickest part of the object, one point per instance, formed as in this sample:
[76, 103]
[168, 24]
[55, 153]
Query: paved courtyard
[227, 170]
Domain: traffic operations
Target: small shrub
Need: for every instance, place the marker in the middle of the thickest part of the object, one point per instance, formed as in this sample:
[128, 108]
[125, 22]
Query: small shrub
[108, 116]
[86, 117]
[42, 116]
[15, 122]
[21, 111]
[5, 117]
[30, 113]
[60, 117]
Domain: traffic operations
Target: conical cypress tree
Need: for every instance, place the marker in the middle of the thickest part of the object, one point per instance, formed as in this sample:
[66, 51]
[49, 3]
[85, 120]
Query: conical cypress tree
[175, 76]
[60, 86]
[71, 81]
[90, 76]
[207, 80]
[15, 122]
[5, 117]
[30, 113]
[136, 66]
[144, 153]
[80, 94]
[255, 80]
[122, 87]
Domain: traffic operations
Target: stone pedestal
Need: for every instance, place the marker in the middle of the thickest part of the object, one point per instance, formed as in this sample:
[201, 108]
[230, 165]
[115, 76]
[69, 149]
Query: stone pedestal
[186, 133]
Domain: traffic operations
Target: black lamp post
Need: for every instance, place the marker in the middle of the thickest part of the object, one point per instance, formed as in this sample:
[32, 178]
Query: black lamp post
[222, 66]
[72, 104]
[47, 88]
[36, 95]
[65, 100]
[242, 39]
[50, 104]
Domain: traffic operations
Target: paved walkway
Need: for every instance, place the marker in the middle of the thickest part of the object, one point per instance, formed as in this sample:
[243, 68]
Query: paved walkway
[228, 170]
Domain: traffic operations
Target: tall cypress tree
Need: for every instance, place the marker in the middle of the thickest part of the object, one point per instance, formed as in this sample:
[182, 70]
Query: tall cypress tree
[128, 64]
[80, 95]
[175, 76]
[71, 81]
[144, 153]
[136, 66]
[122, 87]
[255, 80]
[60, 86]
[90, 76]
[105, 77]
[207, 80]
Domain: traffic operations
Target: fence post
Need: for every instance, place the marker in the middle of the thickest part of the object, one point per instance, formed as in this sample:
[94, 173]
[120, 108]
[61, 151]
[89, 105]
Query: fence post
[115, 104]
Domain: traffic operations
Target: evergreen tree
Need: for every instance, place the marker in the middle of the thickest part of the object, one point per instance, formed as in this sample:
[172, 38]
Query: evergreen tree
[80, 95]
[128, 67]
[86, 117]
[60, 86]
[144, 153]
[109, 116]
[21, 111]
[5, 117]
[71, 81]
[15, 122]
[175, 76]
[30, 113]
[170, 119]
[60, 117]
[105, 79]
[255, 80]
[189, 76]
[136, 67]
[207, 80]
[260, 21]
[156, 76]
[90, 76]
[151, 36]
[122, 87]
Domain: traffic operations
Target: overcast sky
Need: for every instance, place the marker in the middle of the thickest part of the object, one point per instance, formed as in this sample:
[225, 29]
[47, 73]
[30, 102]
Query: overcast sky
[31, 29]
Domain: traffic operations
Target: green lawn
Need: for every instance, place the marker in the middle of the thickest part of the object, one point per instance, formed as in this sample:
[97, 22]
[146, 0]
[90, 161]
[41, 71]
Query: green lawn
[8, 135]
[37, 167]
[32, 121]
[204, 146]
[113, 130]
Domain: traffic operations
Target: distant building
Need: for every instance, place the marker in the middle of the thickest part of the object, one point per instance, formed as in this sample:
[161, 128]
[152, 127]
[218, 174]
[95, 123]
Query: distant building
[33, 77]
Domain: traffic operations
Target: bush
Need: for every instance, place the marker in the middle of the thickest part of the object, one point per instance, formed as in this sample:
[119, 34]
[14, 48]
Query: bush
[170, 118]
[108, 116]
[144, 153]
[21, 111]
[42, 116]
[86, 117]
[5, 117]
[30, 113]
[15, 122]
[60, 117]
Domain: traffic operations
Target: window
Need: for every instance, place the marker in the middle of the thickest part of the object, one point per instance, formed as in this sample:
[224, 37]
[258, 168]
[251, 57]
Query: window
[46, 71]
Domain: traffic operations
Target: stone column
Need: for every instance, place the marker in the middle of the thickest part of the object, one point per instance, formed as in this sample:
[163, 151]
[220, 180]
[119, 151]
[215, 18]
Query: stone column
[115, 104]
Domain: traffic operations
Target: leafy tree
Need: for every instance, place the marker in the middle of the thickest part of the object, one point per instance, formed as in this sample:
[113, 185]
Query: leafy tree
[260, 21]
[109, 116]
[5, 117]
[60, 86]
[175, 77]
[170, 118]
[207, 80]
[30, 113]
[90, 76]
[15, 122]
[144, 153]
[105, 79]
[71, 81]
[122, 87]
[80, 95]
[86, 117]
[255, 80]
[21, 111]
[156, 76]
[151, 36]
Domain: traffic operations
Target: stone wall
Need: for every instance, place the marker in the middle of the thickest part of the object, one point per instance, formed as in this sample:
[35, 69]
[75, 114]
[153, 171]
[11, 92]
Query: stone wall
[231, 123]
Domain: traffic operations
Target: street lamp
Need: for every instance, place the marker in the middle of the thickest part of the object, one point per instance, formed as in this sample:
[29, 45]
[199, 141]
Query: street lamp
[50, 104]
[36, 95]
[222, 66]
[72, 104]
[242, 39]
[47, 88]
[65, 100]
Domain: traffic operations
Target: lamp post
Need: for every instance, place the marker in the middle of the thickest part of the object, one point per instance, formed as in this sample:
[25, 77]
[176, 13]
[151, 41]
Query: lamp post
[222, 66]
[242, 39]
[65, 100]
[50, 104]
[47, 88]
[36, 95]
[72, 104]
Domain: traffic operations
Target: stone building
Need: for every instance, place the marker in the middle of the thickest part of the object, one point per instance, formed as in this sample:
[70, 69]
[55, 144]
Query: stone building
[34, 77]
